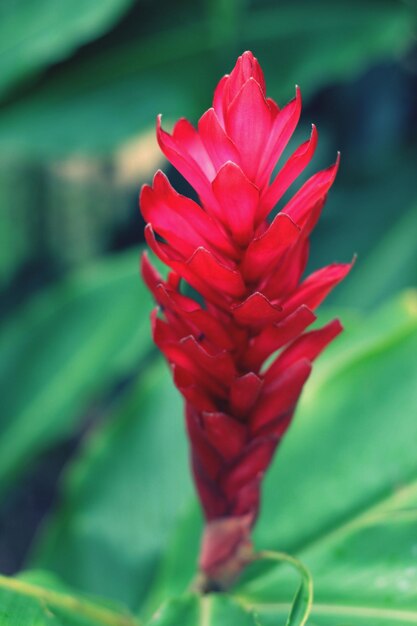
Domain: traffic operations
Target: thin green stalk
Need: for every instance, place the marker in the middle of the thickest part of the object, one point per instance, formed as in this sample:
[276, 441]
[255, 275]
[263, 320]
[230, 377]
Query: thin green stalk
[303, 599]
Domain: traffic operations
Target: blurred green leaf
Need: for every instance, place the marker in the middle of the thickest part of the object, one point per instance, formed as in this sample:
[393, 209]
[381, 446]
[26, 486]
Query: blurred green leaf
[359, 219]
[23, 603]
[364, 571]
[123, 496]
[392, 263]
[62, 350]
[112, 92]
[36, 34]
[319, 42]
[210, 610]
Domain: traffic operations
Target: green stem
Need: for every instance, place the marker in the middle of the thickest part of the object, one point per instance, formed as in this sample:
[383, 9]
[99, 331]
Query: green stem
[303, 599]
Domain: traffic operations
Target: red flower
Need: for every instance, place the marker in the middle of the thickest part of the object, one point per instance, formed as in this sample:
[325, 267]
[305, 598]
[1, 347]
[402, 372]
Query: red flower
[248, 269]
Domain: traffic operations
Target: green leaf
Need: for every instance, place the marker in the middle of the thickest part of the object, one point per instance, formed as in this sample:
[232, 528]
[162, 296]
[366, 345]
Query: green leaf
[62, 350]
[123, 495]
[211, 610]
[325, 41]
[396, 253]
[79, 108]
[25, 604]
[35, 34]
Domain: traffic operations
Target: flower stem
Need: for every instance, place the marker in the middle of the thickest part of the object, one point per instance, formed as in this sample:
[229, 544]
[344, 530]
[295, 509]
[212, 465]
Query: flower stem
[303, 599]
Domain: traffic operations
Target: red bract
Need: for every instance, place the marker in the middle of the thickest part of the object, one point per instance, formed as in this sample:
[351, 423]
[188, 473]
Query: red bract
[241, 358]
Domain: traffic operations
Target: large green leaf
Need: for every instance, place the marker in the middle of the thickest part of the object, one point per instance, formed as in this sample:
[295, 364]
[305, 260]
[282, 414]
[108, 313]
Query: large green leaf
[123, 495]
[36, 34]
[212, 610]
[62, 350]
[23, 603]
[364, 570]
[110, 93]
[391, 263]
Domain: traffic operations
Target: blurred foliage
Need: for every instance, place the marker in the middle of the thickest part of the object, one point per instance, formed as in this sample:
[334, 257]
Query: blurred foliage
[36, 34]
[62, 350]
[80, 85]
[39, 599]
[111, 89]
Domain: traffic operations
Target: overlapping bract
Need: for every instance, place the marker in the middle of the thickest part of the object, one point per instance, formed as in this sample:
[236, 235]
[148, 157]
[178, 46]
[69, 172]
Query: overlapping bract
[248, 269]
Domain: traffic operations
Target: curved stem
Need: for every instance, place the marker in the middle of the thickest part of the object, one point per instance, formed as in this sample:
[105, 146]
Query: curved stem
[303, 599]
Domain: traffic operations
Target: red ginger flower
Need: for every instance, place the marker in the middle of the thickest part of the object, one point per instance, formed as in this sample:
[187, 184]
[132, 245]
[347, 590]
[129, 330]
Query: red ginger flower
[249, 271]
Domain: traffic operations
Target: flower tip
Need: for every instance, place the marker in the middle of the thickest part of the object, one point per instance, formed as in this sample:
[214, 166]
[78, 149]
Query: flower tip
[337, 326]
[144, 191]
[159, 178]
[335, 167]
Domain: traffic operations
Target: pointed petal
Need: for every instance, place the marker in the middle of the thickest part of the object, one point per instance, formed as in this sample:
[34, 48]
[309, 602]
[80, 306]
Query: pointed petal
[274, 337]
[278, 427]
[213, 373]
[224, 433]
[150, 276]
[254, 462]
[266, 251]
[219, 366]
[212, 499]
[203, 325]
[244, 393]
[308, 346]
[211, 328]
[317, 286]
[209, 459]
[218, 145]
[209, 277]
[314, 190]
[186, 136]
[280, 396]
[219, 277]
[283, 126]
[257, 310]
[219, 99]
[248, 497]
[195, 395]
[179, 220]
[273, 107]
[279, 284]
[246, 67]
[248, 123]
[238, 199]
[184, 163]
[288, 174]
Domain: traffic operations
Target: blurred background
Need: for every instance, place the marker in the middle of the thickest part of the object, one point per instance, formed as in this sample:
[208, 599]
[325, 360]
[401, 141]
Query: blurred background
[81, 83]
